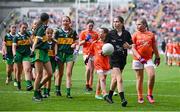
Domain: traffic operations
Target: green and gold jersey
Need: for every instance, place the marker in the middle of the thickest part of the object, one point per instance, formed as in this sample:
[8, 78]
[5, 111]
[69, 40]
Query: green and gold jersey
[40, 35]
[8, 39]
[31, 33]
[51, 49]
[22, 44]
[65, 40]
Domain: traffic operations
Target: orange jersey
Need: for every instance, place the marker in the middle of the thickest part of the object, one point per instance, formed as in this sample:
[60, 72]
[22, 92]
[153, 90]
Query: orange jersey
[86, 45]
[144, 42]
[100, 62]
[169, 48]
[176, 49]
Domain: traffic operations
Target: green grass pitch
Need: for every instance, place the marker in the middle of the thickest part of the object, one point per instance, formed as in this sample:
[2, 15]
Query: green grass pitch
[166, 93]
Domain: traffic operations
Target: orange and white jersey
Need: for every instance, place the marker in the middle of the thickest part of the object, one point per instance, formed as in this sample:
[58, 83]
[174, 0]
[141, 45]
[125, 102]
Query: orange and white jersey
[100, 62]
[144, 42]
[86, 45]
[169, 49]
[176, 50]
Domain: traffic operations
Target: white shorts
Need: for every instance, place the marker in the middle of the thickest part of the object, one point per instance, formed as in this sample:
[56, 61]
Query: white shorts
[103, 72]
[176, 55]
[136, 64]
[90, 59]
[169, 55]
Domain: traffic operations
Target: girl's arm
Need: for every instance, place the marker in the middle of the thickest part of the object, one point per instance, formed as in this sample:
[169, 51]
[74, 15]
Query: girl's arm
[4, 48]
[155, 51]
[34, 44]
[134, 51]
[14, 49]
[154, 47]
[55, 49]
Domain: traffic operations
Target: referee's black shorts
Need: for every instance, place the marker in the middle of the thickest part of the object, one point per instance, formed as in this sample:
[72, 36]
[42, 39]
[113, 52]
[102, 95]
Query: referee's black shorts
[118, 61]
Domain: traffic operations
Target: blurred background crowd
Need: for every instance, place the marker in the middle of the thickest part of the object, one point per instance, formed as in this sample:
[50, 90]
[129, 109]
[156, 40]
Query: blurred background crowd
[162, 15]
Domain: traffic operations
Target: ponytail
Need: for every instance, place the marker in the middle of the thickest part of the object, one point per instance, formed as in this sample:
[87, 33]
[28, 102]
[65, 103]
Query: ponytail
[43, 17]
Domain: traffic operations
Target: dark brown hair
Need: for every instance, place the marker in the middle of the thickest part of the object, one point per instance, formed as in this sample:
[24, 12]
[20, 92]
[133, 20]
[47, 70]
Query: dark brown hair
[105, 31]
[43, 17]
[120, 18]
[23, 23]
[90, 21]
[144, 22]
[68, 18]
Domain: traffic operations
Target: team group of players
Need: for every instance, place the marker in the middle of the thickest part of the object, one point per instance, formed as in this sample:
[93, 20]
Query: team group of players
[172, 52]
[43, 51]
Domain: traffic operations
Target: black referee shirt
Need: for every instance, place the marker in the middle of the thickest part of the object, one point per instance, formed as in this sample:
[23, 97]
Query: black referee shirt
[118, 41]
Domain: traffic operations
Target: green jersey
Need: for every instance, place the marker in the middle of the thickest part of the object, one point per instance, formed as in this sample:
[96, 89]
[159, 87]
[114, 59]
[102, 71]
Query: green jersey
[65, 40]
[23, 44]
[30, 32]
[8, 39]
[51, 49]
[40, 35]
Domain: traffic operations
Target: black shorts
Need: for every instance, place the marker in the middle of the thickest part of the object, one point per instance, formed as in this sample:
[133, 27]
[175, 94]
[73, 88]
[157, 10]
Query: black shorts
[118, 61]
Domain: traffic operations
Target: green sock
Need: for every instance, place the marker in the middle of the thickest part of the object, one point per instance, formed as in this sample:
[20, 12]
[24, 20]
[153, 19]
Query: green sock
[68, 91]
[15, 80]
[28, 83]
[58, 88]
[35, 93]
[48, 90]
[44, 90]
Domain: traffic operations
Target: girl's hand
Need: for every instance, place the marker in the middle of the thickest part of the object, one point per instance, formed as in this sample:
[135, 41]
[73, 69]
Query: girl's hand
[73, 45]
[126, 46]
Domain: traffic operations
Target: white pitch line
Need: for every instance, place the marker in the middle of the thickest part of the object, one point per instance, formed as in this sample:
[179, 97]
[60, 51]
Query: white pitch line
[130, 94]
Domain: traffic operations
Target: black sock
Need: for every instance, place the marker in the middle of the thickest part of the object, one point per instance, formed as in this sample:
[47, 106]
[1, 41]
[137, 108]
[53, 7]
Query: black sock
[111, 94]
[58, 88]
[121, 94]
[48, 91]
[19, 84]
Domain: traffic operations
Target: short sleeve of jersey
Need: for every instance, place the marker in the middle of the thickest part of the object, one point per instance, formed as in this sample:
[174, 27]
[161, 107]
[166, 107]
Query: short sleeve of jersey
[134, 38]
[75, 35]
[107, 38]
[128, 38]
[5, 37]
[82, 36]
[29, 33]
[56, 32]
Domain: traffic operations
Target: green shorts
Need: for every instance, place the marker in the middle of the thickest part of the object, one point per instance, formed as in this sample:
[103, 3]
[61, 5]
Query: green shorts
[65, 57]
[41, 55]
[19, 58]
[53, 64]
[9, 61]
